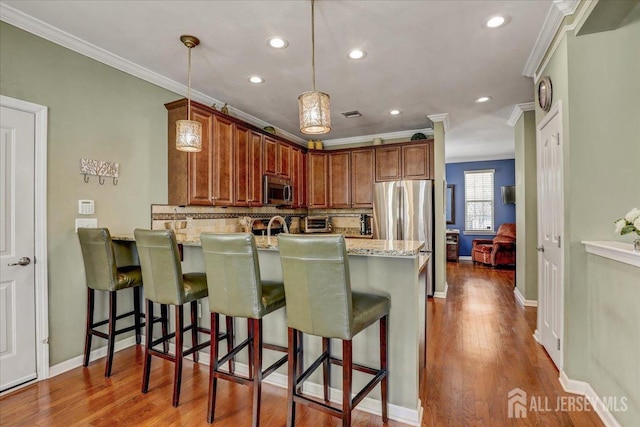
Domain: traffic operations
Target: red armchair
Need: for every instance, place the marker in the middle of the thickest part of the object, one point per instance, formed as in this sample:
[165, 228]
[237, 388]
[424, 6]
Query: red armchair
[499, 251]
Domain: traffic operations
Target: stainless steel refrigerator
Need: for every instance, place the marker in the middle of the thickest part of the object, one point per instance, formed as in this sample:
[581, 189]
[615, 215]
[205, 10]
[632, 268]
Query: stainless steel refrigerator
[403, 210]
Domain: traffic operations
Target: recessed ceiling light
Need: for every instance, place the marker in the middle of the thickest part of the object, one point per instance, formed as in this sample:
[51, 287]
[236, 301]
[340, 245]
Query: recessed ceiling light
[277, 42]
[256, 80]
[357, 54]
[496, 21]
[394, 112]
[483, 99]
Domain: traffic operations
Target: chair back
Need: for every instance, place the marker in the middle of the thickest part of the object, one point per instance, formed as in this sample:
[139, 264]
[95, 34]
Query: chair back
[160, 264]
[317, 284]
[233, 274]
[99, 258]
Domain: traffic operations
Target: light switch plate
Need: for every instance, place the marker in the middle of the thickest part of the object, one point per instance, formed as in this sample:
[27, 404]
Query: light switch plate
[86, 222]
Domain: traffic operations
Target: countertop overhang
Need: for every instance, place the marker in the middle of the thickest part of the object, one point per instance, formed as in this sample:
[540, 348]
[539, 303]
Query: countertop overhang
[355, 246]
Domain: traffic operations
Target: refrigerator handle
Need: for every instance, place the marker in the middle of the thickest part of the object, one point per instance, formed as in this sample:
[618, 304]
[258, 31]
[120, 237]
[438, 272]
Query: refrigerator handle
[400, 230]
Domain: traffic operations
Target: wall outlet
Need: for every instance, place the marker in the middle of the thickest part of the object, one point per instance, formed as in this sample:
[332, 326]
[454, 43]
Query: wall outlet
[86, 222]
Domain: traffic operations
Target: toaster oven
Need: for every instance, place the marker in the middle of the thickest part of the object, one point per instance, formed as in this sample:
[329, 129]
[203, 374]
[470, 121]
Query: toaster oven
[316, 224]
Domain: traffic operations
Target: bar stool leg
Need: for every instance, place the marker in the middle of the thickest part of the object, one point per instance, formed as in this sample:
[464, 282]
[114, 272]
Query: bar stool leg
[88, 335]
[177, 377]
[194, 328]
[326, 368]
[146, 370]
[164, 316]
[230, 343]
[292, 374]
[256, 332]
[137, 313]
[250, 349]
[300, 359]
[111, 337]
[383, 365]
[347, 377]
[213, 366]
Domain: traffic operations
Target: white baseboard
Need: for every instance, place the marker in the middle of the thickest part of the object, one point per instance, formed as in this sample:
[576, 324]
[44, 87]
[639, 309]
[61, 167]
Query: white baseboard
[536, 336]
[583, 388]
[372, 406]
[442, 294]
[73, 363]
[465, 258]
[522, 301]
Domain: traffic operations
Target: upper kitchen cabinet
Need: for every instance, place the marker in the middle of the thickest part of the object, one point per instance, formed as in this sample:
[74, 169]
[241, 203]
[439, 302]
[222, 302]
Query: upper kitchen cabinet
[317, 185]
[248, 167]
[223, 167]
[404, 161]
[190, 174]
[339, 179]
[298, 177]
[277, 158]
[362, 162]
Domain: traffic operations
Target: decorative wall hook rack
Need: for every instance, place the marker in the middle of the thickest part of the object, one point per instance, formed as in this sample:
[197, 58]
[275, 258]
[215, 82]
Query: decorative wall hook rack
[101, 169]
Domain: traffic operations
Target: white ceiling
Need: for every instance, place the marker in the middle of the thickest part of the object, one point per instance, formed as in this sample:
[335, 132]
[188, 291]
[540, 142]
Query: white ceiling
[423, 58]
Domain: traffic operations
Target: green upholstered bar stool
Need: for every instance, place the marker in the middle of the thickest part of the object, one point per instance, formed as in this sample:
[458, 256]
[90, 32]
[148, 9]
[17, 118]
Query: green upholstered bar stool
[320, 302]
[164, 283]
[102, 274]
[236, 290]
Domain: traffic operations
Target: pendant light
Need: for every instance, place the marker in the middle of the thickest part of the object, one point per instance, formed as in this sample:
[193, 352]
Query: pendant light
[189, 132]
[314, 113]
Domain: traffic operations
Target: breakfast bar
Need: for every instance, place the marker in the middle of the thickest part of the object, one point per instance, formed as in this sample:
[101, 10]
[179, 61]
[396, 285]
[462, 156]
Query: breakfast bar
[396, 269]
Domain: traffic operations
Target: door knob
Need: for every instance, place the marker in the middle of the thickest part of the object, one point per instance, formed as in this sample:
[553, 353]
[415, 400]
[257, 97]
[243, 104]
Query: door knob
[22, 261]
[540, 248]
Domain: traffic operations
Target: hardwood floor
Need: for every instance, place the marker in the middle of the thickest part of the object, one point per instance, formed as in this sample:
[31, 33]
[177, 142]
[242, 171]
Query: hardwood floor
[480, 346]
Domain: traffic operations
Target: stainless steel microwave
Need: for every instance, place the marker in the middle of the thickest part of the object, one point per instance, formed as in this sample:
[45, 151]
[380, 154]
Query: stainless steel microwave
[277, 191]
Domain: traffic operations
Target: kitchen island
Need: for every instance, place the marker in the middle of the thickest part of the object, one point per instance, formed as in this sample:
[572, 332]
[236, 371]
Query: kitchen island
[395, 269]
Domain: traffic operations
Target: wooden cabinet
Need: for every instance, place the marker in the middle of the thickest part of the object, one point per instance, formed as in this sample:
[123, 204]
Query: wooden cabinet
[247, 167]
[362, 162]
[277, 158]
[298, 177]
[339, 179]
[453, 246]
[223, 161]
[284, 160]
[406, 161]
[317, 183]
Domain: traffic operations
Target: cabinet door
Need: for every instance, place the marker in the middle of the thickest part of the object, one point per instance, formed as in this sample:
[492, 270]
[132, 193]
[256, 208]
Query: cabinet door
[362, 178]
[223, 161]
[298, 180]
[415, 161]
[199, 181]
[247, 167]
[284, 160]
[339, 180]
[255, 169]
[270, 156]
[388, 166]
[317, 169]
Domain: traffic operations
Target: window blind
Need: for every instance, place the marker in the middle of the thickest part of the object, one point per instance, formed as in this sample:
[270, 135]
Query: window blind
[478, 194]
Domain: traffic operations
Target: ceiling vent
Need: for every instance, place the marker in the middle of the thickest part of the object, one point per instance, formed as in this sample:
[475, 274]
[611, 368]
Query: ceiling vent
[352, 114]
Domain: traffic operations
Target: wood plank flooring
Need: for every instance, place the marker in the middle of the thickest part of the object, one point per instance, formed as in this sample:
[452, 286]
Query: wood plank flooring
[480, 346]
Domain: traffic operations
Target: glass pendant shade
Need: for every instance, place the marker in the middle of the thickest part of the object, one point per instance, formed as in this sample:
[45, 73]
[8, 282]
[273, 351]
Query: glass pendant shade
[315, 117]
[188, 135]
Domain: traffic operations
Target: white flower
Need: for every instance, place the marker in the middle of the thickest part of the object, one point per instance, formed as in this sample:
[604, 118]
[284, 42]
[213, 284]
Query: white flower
[620, 225]
[632, 215]
[636, 224]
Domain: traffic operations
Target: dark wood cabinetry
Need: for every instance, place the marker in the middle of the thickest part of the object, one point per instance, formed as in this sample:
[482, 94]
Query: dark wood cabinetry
[248, 167]
[298, 177]
[406, 161]
[223, 161]
[317, 182]
[362, 162]
[453, 246]
[277, 158]
[340, 179]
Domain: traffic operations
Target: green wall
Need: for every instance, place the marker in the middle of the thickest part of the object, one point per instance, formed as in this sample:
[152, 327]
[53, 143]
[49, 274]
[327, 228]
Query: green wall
[596, 77]
[526, 206]
[440, 223]
[95, 112]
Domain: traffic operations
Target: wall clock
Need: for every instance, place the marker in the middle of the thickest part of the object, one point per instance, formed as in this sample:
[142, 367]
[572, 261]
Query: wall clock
[545, 93]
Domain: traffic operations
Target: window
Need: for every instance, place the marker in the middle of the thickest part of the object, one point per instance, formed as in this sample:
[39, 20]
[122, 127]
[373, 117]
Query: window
[478, 200]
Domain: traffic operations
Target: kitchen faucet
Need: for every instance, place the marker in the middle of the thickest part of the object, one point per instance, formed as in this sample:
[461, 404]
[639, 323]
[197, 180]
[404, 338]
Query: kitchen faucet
[282, 221]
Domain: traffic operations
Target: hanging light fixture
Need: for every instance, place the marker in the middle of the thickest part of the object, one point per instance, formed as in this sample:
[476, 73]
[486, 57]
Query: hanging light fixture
[315, 117]
[189, 132]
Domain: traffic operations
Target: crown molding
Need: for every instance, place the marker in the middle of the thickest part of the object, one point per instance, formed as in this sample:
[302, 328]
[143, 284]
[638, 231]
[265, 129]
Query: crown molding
[518, 110]
[558, 10]
[55, 35]
[478, 158]
[369, 138]
[443, 117]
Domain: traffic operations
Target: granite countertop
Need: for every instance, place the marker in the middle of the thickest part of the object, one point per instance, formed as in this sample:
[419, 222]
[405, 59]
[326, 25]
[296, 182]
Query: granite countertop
[355, 246]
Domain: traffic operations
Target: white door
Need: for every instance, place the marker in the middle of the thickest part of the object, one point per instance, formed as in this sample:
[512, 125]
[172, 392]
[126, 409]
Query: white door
[550, 232]
[17, 248]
